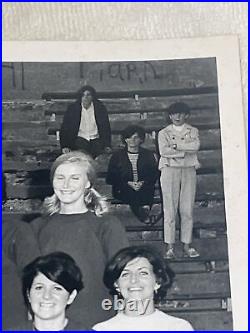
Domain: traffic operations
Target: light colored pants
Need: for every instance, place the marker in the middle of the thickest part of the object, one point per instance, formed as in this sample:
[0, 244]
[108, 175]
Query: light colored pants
[178, 187]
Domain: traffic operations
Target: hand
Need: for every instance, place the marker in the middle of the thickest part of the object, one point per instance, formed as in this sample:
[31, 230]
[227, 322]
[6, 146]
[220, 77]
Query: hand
[108, 150]
[132, 185]
[65, 150]
[136, 186]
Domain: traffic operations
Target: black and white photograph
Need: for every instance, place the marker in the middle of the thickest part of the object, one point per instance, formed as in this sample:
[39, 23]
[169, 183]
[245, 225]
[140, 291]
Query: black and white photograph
[113, 172]
[124, 168]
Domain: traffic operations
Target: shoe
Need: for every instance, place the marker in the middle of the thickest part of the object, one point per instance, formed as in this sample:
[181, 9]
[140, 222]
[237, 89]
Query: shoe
[170, 254]
[191, 253]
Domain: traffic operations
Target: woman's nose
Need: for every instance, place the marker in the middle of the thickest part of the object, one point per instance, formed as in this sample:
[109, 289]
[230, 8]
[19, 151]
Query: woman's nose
[46, 293]
[66, 183]
[133, 278]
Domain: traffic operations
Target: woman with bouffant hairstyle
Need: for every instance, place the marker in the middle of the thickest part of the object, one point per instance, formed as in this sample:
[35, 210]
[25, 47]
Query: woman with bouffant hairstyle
[50, 285]
[140, 278]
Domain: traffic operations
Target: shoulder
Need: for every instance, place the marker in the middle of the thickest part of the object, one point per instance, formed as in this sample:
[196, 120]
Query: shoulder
[27, 326]
[75, 326]
[106, 325]
[73, 106]
[191, 128]
[38, 223]
[146, 151]
[175, 323]
[166, 129]
[99, 106]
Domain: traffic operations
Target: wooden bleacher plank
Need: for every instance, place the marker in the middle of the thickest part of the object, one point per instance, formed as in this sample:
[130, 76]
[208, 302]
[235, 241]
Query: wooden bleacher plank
[208, 320]
[149, 125]
[141, 93]
[198, 104]
[211, 282]
[210, 249]
[207, 218]
[209, 187]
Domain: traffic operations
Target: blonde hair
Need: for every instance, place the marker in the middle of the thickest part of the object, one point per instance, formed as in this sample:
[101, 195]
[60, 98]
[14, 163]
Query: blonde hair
[93, 199]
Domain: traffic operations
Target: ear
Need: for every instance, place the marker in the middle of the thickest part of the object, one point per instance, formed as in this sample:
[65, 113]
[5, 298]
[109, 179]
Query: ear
[157, 286]
[72, 296]
[88, 185]
[28, 295]
[187, 115]
[116, 287]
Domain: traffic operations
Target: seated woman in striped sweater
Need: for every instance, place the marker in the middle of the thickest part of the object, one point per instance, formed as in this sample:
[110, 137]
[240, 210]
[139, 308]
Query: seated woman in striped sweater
[132, 172]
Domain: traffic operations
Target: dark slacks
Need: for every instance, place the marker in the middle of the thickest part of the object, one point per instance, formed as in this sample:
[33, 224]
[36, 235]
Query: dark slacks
[93, 147]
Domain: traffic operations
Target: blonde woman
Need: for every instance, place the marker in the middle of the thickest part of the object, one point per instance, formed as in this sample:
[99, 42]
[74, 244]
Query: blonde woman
[76, 223]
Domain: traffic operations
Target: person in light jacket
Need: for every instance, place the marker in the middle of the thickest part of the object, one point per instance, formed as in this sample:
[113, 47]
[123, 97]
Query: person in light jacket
[178, 145]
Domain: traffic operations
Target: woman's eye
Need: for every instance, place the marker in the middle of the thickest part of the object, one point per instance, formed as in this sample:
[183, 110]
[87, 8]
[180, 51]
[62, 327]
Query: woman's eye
[58, 288]
[75, 177]
[144, 273]
[124, 274]
[38, 288]
[59, 177]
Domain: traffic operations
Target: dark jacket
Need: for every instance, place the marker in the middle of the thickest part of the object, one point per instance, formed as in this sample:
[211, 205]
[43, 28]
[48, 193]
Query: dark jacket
[71, 123]
[120, 172]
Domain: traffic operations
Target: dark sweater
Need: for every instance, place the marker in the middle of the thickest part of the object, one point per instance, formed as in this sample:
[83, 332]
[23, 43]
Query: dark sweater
[19, 248]
[71, 326]
[91, 241]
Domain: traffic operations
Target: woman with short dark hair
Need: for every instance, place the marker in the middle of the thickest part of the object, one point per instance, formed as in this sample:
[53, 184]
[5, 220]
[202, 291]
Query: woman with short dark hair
[50, 284]
[139, 276]
[132, 172]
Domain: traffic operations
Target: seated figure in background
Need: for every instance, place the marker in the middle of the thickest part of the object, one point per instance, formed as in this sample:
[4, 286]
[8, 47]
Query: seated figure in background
[86, 125]
[132, 172]
[139, 276]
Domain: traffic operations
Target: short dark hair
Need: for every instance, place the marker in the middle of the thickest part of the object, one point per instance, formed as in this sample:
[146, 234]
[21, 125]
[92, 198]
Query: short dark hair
[131, 130]
[179, 107]
[90, 89]
[164, 275]
[58, 267]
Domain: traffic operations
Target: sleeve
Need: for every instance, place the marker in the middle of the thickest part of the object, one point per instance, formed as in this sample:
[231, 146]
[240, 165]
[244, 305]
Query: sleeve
[65, 130]
[165, 149]
[105, 129]
[191, 144]
[113, 236]
[26, 245]
[113, 174]
[152, 169]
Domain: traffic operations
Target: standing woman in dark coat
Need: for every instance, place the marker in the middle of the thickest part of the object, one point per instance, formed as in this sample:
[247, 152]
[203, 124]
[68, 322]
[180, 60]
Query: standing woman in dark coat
[132, 172]
[86, 125]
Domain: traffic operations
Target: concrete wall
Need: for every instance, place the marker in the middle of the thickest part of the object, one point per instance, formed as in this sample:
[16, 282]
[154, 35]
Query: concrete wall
[126, 21]
[31, 80]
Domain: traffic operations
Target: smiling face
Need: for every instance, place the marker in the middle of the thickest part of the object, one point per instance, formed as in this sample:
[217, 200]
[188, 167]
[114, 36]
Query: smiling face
[70, 182]
[133, 142]
[49, 299]
[87, 99]
[137, 280]
[178, 118]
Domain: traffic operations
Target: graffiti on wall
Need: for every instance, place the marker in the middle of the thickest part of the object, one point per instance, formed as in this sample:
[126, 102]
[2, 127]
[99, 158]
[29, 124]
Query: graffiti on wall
[125, 71]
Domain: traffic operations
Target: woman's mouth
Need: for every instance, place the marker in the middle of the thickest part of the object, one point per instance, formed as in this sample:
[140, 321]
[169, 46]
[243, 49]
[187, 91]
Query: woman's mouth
[46, 305]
